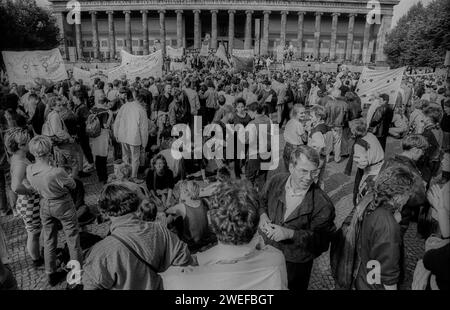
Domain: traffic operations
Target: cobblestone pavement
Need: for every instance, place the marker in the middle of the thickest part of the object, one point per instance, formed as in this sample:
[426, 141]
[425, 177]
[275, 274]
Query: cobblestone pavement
[337, 185]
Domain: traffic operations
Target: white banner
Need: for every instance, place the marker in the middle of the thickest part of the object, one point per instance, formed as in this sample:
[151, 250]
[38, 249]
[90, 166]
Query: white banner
[88, 76]
[138, 66]
[25, 67]
[221, 54]
[115, 73]
[243, 53]
[174, 52]
[128, 58]
[80, 74]
[373, 83]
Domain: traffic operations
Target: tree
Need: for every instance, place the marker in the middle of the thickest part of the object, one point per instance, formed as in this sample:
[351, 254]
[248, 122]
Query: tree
[421, 37]
[25, 26]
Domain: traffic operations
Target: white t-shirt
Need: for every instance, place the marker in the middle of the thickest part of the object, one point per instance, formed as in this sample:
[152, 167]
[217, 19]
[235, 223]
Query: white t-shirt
[293, 132]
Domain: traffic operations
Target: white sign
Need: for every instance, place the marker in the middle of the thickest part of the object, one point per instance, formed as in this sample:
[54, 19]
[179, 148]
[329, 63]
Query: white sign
[373, 83]
[138, 66]
[174, 52]
[25, 67]
[80, 74]
[243, 53]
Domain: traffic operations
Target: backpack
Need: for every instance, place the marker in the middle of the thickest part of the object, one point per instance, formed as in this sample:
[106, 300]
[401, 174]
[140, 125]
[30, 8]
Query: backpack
[93, 126]
[344, 260]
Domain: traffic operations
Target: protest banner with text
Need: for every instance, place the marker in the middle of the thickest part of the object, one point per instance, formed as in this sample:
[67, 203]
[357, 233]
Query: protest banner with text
[26, 67]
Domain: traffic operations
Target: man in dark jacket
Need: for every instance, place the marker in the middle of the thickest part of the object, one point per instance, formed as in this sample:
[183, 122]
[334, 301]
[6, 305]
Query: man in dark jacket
[38, 118]
[297, 217]
[381, 120]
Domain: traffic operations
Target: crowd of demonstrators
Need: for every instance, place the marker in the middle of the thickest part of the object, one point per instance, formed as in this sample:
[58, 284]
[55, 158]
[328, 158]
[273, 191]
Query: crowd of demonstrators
[222, 215]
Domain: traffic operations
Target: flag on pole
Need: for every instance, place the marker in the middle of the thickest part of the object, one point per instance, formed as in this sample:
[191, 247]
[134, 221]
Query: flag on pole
[222, 55]
[373, 83]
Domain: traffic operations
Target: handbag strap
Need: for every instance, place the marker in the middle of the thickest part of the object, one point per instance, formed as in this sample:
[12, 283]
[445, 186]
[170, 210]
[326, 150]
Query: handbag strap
[134, 252]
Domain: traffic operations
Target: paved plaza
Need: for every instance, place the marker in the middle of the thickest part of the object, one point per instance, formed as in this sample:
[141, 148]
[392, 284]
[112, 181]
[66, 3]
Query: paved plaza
[337, 185]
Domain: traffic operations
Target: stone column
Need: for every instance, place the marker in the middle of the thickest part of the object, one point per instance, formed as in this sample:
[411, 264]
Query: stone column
[231, 30]
[197, 34]
[162, 31]
[60, 21]
[145, 31]
[334, 24]
[365, 52]
[179, 28]
[128, 43]
[385, 26]
[111, 35]
[248, 30]
[265, 37]
[301, 17]
[351, 26]
[214, 29]
[283, 28]
[94, 27]
[317, 35]
[78, 41]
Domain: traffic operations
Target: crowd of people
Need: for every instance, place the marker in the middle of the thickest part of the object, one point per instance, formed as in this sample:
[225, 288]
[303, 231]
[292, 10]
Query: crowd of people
[222, 223]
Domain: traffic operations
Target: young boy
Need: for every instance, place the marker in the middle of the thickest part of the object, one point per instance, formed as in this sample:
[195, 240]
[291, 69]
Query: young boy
[53, 185]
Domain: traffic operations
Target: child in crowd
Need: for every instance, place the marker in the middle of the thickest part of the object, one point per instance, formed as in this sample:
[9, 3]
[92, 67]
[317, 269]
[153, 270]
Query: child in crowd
[53, 185]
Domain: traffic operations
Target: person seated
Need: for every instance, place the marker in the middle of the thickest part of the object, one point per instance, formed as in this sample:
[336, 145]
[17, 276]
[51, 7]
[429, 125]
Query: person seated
[160, 181]
[193, 229]
[122, 174]
[399, 122]
[135, 252]
[239, 261]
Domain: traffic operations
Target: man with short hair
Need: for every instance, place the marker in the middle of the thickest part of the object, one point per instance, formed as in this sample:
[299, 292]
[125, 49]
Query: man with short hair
[336, 110]
[297, 217]
[152, 87]
[131, 130]
[381, 120]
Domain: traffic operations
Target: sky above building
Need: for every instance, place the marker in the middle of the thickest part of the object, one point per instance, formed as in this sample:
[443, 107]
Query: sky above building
[399, 10]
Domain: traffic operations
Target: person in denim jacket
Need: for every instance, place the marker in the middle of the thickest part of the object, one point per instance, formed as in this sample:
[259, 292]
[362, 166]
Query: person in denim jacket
[53, 185]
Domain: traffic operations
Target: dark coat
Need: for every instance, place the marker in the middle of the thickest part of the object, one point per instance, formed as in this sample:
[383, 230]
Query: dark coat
[312, 220]
[38, 119]
[381, 121]
[379, 240]
[336, 112]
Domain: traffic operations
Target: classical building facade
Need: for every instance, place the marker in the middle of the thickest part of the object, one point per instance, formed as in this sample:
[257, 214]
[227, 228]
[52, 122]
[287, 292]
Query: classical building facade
[338, 30]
